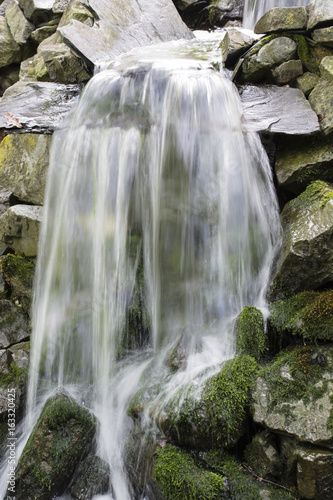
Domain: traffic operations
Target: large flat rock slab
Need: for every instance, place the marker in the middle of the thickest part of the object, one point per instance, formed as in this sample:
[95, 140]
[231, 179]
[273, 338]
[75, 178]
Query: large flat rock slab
[123, 25]
[268, 108]
[37, 106]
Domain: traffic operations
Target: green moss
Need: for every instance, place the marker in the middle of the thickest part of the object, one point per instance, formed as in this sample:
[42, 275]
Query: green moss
[179, 478]
[250, 333]
[311, 53]
[18, 272]
[15, 376]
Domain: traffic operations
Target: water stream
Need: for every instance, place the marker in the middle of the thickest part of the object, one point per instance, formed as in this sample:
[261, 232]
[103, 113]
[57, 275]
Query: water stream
[255, 9]
[152, 178]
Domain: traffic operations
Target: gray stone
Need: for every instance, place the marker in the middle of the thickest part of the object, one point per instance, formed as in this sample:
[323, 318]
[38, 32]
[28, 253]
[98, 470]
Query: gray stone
[62, 64]
[19, 26]
[273, 53]
[307, 82]
[37, 11]
[300, 162]
[34, 70]
[75, 11]
[24, 160]
[38, 106]
[319, 12]
[287, 71]
[314, 473]
[263, 456]
[10, 51]
[326, 68]
[324, 36]
[321, 99]
[13, 324]
[60, 6]
[40, 34]
[123, 26]
[3, 6]
[8, 77]
[4, 199]
[19, 228]
[268, 108]
[282, 19]
[239, 42]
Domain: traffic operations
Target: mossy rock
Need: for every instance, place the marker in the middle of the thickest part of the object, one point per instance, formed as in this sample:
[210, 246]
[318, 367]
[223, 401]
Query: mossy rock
[60, 440]
[250, 333]
[92, 479]
[311, 53]
[18, 272]
[262, 455]
[14, 325]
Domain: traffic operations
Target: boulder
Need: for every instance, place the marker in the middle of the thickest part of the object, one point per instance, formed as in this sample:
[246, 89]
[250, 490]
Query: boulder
[314, 473]
[263, 456]
[19, 228]
[19, 26]
[307, 82]
[268, 108]
[8, 77]
[34, 69]
[287, 71]
[311, 53]
[13, 324]
[321, 102]
[239, 42]
[18, 272]
[282, 19]
[326, 68]
[306, 258]
[319, 12]
[40, 34]
[4, 199]
[323, 36]
[37, 106]
[62, 436]
[24, 160]
[10, 51]
[293, 395]
[300, 162]
[75, 11]
[92, 479]
[37, 11]
[250, 333]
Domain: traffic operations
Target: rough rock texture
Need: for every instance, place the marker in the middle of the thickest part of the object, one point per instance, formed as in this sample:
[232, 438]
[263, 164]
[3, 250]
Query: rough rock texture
[300, 162]
[324, 36]
[321, 102]
[269, 108]
[10, 51]
[307, 82]
[13, 376]
[18, 272]
[239, 42]
[92, 479]
[263, 456]
[8, 77]
[37, 11]
[19, 26]
[40, 34]
[4, 199]
[319, 12]
[37, 106]
[306, 258]
[326, 68]
[61, 437]
[287, 71]
[314, 473]
[250, 333]
[19, 228]
[24, 160]
[13, 324]
[282, 19]
[34, 69]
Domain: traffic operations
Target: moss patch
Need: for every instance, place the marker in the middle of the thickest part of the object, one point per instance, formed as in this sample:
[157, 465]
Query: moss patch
[311, 53]
[250, 333]
[18, 272]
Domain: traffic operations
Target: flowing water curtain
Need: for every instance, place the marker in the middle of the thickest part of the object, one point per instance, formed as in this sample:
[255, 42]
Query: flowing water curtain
[255, 9]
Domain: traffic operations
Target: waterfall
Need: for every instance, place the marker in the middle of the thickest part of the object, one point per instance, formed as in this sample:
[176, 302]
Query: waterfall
[255, 9]
[152, 180]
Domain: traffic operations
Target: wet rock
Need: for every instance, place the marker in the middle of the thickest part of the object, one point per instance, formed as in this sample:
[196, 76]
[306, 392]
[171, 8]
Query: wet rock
[19, 228]
[287, 71]
[319, 12]
[13, 378]
[307, 82]
[75, 11]
[37, 106]
[92, 479]
[239, 42]
[221, 11]
[311, 53]
[62, 436]
[13, 324]
[268, 108]
[324, 36]
[19, 26]
[326, 68]
[282, 19]
[10, 51]
[300, 162]
[40, 34]
[321, 102]
[24, 160]
[314, 473]
[18, 272]
[306, 259]
[263, 456]
[250, 333]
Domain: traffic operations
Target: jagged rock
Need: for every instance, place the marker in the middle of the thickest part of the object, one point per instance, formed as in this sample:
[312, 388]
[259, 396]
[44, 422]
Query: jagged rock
[92, 479]
[34, 69]
[293, 395]
[19, 26]
[10, 51]
[24, 160]
[319, 12]
[273, 53]
[326, 68]
[263, 456]
[19, 228]
[324, 36]
[62, 436]
[287, 71]
[75, 11]
[37, 106]
[300, 162]
[306, 257]
[18, 272]
[321, 102]
[282, 19]
[40, 34]
[37, 11]
[13, 324]
[307, 82]
[239, 42]
[268, 108]
[314, 473]
[122, 27]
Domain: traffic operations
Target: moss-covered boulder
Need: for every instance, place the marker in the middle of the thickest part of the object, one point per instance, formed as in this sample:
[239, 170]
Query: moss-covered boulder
[250, 333]
[13, 324]
[19, 228]
[307, 82]
[263, 456]
[18, 272]
[314, 473]
[14, 363]
[92, 479]
[282, 19]
[60, 440]
[306, 257]
[321, 102]
[294, 395]
[311, 53]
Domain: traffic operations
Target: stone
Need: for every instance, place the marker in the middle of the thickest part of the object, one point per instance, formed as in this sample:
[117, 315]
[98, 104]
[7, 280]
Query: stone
[34, 69]
[287, 71]
[319, 12]
[61, 438]
[326, 68]
[37, 106]
[282, 19]
[314, 473]
[13, 324]
[24, 160]
[293, 395]
[14, 378]
[300, 162]
[59, 6]
[20, 355]
[8, 77]
[10, 51]
[40, 34]
[75, 11]
[262, 455]
[306, 258]
[311, 53]
[62, 64]
[323, 36]
[307, 82]
[37, 11]
[4, 198]
[268, 108]
[3, 6]
[18, 272]
[19, 26]
[19, 228]
[320, 100]
[239, 42]
[273, 53]
[92, 479]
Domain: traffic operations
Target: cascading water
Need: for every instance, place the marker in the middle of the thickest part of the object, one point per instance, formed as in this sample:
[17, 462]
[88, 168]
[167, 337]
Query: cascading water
[153, 175]
[255, 9]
